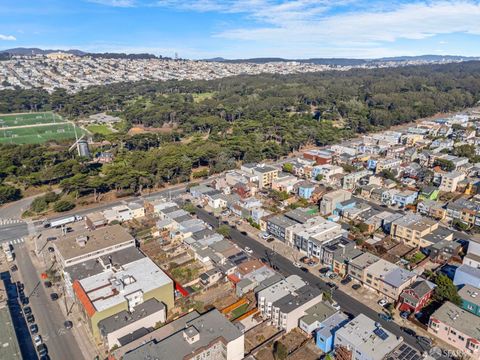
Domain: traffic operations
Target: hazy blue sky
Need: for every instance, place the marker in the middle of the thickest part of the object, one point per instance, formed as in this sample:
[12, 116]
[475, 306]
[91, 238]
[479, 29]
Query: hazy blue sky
[245, 28]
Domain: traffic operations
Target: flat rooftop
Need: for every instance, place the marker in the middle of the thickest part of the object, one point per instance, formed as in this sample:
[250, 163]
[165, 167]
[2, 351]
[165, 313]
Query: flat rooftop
[471, 294]
[209, 327]
[9, 348]
[459, 319]
[125, 318]
[96, 266]
[368, 337]
[97, 239]
[110, 287]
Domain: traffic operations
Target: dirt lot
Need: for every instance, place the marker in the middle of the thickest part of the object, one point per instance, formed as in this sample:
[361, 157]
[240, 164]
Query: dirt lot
[258, 335]
[309, 351]
[219, 296]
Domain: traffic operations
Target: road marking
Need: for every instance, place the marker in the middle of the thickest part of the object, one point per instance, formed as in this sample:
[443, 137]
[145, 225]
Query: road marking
[16, 241]
[10, 221]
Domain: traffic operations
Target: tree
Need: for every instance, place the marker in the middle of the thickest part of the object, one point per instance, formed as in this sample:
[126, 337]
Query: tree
[446, 290]
[445, 165]
[39, 205]
[288, 167]
[189, 207]
[319, 177]
[224, 230]
[63, 205]
[388, 174]
[9, 193]
[280, 351]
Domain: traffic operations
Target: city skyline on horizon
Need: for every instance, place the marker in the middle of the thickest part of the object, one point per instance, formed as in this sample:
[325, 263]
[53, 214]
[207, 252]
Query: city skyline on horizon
[239, 29]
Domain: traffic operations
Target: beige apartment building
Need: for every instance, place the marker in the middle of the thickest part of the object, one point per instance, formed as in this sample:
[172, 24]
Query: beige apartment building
[450, 181]
[411, 228]
[266, 175]
[383, 277]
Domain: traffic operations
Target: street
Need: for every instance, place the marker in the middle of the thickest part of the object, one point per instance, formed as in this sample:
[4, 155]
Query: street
[285, 266]
[60, 342]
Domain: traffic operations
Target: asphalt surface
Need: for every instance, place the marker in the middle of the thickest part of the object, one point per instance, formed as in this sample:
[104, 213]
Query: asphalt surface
[60, 342]
[13, 231]
[285, 267]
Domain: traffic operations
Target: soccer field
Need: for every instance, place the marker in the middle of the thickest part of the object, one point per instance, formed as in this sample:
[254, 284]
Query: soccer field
[8, 120]
[35, 128]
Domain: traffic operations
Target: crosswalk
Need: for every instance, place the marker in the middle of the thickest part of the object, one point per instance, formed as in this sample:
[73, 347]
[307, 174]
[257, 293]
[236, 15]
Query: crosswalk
[10, 221]
[15, 241]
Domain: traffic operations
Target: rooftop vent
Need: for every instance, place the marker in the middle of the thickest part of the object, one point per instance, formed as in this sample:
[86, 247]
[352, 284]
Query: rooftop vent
[81, 240]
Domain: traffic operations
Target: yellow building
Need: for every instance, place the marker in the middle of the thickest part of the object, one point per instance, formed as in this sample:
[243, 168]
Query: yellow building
[122, 289]
[411, 228]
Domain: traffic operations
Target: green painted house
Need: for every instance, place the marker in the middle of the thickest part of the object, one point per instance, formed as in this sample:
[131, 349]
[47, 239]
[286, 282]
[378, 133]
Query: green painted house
[470, 299]
[428, 193]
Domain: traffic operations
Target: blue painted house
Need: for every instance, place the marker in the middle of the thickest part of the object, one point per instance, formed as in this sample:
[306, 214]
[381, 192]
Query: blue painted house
[405, 198]
[467, 275]
[305, 189]
[344, 205]
[325, 334]
[470, 299]
[372, 164]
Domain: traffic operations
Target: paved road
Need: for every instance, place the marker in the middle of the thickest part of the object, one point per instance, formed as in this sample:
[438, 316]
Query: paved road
[60, 342]
[13, 231]
[285, 266]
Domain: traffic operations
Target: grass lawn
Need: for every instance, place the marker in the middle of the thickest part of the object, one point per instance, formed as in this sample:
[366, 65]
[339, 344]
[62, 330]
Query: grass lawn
[99, 129]
[7, 120]
[202, 96]
[239, 311]
[418, 256]
[38, 134]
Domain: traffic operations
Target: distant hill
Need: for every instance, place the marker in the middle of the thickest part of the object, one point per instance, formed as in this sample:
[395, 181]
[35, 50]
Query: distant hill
[37, 51]
[5, 54]
[350, 62]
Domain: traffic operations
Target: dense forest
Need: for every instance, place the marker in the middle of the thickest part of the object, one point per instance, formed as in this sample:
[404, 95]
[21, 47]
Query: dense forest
[215, 124]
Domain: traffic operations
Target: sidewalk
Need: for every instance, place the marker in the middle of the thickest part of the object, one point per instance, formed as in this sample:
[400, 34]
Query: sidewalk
[84, 340]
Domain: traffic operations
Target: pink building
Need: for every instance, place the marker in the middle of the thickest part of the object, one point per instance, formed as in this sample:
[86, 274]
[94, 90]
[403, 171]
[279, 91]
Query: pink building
[457, 327]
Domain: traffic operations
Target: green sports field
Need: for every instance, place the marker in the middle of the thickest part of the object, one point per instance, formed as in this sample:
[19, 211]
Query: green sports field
[35, 128]
[9, 120]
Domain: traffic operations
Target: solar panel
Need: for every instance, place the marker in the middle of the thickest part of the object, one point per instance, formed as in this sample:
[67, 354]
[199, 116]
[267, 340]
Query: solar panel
[380, 333]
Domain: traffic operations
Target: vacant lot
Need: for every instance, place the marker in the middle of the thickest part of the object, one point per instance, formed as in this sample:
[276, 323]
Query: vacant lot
[99, 129]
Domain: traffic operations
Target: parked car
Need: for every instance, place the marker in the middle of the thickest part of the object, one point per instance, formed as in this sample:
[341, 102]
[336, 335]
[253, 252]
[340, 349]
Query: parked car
[356, 286]
[269, 240]
[408, 331]
[324, 270]
[42, 350]
[304, 269]
[68, 324]
[385, 317]
[51, 238]
[404, 314]
[297, 264]
[20, 286]
[382, 302]
[27, 310]
[346, 280]
[333, 276]
[34, 328]
[25, 300]
[248, 250]
[265, 236]
[48, 284]
[51, 249]
[336, 306]
[54, 296]
[30, 319]
[311, 263]
[332, 286]
[37, 340]
[14, 268]
[426, 341]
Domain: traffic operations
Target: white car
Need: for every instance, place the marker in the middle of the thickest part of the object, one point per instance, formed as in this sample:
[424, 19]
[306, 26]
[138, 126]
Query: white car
[37, 340]
[296, 264]
[248, 250]
[336, 306]
[382, 302]
[265, 236]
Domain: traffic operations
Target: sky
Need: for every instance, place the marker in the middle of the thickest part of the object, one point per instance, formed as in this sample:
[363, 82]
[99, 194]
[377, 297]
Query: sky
[245, 28]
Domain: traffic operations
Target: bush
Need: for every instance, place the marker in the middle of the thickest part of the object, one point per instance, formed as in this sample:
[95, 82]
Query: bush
[63, 205]
[9, 193]
[39, 205]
